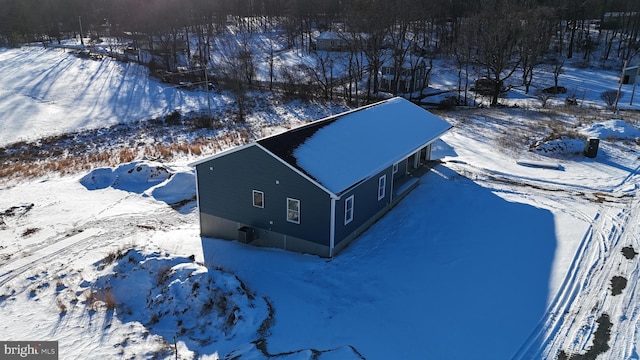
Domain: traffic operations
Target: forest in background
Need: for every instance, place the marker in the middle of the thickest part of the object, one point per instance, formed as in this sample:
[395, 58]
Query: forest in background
[498, 37]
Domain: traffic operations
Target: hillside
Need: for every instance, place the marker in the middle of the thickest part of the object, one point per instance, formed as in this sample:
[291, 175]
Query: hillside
[485, 259]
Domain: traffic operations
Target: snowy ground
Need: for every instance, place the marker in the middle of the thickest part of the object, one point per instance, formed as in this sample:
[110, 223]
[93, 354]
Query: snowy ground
[485, 259]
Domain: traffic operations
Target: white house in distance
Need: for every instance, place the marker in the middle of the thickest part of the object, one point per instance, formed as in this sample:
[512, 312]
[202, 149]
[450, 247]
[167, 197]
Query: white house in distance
[630, 75]
[336, 41]
[403, 77]
[331, 41]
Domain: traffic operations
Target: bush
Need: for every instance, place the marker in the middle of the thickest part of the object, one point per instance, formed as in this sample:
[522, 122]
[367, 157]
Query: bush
[610, 96]
[554, 90]
[544, 97]
[571, 100]
[62, 308]
[173, 119]
[448, 103]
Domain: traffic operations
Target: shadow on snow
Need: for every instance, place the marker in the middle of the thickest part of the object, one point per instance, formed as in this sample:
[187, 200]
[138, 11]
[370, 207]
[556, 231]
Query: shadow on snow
[453, 271]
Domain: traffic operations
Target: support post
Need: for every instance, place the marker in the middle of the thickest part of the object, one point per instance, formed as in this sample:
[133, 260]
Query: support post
[615, 106]
[81, 35]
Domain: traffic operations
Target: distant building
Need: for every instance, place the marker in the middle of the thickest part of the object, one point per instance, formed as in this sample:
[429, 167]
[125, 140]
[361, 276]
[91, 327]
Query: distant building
[334, 41]
[630, 75]
[402, 78]
[331, 41]
[315, 188]
[616, 19]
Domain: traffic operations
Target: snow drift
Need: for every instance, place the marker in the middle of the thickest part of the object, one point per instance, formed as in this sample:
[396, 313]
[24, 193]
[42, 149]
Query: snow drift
[151, 179]
[175, 296]
[612, 129]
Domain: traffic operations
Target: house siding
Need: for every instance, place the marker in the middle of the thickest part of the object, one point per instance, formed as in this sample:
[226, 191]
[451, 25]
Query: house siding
[416, 78]
[226, 193]
[366, 206]
[402, 170]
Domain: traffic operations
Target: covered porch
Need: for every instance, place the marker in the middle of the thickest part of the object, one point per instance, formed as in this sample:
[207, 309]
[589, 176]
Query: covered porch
[417, 164]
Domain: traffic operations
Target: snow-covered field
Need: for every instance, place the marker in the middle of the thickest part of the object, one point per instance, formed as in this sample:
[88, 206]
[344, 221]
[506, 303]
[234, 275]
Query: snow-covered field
[485, 259]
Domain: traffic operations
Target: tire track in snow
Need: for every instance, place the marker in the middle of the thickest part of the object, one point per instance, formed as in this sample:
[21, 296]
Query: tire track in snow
[92, 235]
[570, 320]
[625, 308]
[37, 258]
[549, 326]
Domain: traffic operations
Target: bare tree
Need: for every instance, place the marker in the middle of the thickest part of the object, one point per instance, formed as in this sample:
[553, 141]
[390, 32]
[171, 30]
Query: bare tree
[238, 70]
[535, 41]
[323, 73]
[463, 54]
[354, 64]
[557, 70]
[369, 20]
[497, 29]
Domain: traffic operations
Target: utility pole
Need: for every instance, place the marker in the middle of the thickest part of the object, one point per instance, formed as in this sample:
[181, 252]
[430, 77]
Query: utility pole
[624, 69]
[206, 79]
[635, 83]
[81, 36]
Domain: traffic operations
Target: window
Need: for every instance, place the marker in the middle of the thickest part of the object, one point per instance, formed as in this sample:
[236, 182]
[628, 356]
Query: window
[382, 186]
[348, 210]
[293, 210]
[258, 199]
[395, 168]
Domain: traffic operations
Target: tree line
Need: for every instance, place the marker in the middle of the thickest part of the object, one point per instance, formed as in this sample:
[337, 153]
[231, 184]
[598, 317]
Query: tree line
[495, 37]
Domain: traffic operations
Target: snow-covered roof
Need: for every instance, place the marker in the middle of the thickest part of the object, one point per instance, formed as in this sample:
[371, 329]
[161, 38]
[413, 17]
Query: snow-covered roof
[333, 35]
[329, 35]
[341, 151]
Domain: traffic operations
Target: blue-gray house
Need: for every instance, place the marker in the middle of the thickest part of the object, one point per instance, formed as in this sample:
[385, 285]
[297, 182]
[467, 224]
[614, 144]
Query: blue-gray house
[317, 187]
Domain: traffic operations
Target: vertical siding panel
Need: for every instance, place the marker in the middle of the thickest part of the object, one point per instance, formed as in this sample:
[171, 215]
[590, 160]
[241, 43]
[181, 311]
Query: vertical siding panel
[365, 204]
[226, 192]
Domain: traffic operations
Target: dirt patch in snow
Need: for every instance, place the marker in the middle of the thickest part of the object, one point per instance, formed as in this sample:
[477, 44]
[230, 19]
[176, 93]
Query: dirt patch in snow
[618, 283]
[13, 212]
[629, 252]
[600, 341]
[30, 231]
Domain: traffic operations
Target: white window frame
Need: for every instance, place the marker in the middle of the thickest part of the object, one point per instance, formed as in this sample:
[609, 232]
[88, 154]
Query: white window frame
[290, 211]
[395, 168]
[253, 198]
[348, 210]
[382, 187]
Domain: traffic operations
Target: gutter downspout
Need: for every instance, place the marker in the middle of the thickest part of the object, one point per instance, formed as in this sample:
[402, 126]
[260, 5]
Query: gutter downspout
[332, 230]
[198, 199]
[392, 181]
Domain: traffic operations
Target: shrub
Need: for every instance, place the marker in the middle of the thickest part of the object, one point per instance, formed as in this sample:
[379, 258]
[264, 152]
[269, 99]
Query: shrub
[448, 103]
[544, 97]
[173, 119]
[62, 308]
[610, 96]
[571, 100]
[90, 297]
[109, 299]
[115, 255]
[163, 275]
[126, 155]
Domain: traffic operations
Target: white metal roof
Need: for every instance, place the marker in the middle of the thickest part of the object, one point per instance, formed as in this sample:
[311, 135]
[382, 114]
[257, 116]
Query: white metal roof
[361, 143]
